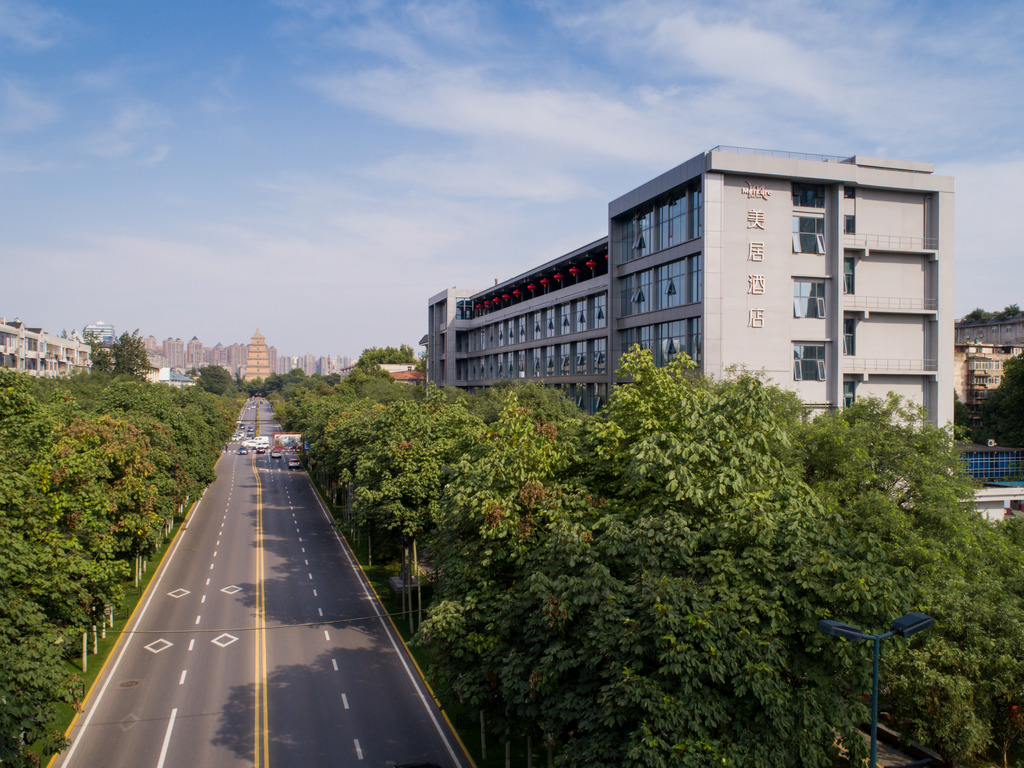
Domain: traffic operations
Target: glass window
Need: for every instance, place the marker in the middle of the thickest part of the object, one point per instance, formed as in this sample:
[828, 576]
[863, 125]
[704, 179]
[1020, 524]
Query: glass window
[521, 322]
[671, 341]
[535, 357]
[565, 359]
[579, 315]
[849, 267]
[809, 298]
[850, 193]
[599, 355]
[564, 321]
[658, 224]
[693, 282]
[538, 320]
[808, 195]
[694, 339]
[809, 362]
[670, 281]
[549, 361]
[808, 234]
[849, 393]
[850, 225]
[637, 293]
[599, 307]
[580, 356]
[849, 336]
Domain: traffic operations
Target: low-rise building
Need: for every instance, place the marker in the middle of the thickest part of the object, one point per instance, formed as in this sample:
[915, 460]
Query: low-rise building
[38, 353]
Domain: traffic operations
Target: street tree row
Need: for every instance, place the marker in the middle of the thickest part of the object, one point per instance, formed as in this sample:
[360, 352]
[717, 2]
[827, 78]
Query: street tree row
[643, 587]
[94, 468]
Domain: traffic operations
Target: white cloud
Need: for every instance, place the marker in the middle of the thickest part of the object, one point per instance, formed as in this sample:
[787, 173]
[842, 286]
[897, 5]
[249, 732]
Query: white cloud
[22, 110]
[460, 102]
[29, 26]
[129, 129]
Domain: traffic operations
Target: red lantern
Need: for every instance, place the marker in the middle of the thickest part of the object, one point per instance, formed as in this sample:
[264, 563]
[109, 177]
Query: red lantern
[544, 281]
[574, 271]
[505, 297]
[479, 306]
[558, 276]
[591, 263]
[487, 302]
[531, 287]
[517, 293]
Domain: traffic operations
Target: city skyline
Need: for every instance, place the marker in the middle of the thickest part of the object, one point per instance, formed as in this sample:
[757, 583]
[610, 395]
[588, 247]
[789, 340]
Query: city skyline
[318, 169]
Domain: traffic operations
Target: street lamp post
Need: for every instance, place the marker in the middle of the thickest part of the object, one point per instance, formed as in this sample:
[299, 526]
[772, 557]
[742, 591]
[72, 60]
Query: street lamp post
[905, 626]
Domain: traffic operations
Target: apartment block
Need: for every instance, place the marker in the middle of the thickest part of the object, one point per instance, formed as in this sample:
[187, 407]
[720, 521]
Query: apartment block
[831, 276]
[978, 371]
[37, 353]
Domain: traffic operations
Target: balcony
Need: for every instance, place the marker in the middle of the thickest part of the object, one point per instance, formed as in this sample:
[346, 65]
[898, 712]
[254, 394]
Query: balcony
[889, 365]
[891, 242]
[889, 303]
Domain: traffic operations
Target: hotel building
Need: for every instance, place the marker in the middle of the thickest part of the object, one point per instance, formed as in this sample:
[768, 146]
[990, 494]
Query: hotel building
[832, 276]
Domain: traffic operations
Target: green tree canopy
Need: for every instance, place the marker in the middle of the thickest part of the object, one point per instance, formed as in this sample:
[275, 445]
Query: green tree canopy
[375, 356]
[657, 606]
[215, 379]
[1002, 414]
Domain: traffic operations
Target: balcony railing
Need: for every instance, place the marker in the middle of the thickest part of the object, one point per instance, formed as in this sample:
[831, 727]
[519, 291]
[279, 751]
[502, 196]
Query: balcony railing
[893, 242]
[890, 365]
[890, 302]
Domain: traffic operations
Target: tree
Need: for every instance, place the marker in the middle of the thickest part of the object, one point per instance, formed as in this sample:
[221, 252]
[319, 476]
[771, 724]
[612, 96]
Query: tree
[656, 605]
[215, 379]
[375, 356]
[1002, 414]
[100, 358]
[978, 315]
[544, 402]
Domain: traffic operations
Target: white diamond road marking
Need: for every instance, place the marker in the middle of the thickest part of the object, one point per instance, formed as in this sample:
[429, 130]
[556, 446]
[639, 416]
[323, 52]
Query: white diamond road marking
[179, 593]
[224, 640]
[231, 590]
[158, 645]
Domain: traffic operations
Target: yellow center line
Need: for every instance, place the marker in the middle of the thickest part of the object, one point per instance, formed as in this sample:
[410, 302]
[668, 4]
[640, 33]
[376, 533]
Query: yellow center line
[261, 746]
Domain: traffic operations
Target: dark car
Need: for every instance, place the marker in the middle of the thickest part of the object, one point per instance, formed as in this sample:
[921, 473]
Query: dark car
[243, 451]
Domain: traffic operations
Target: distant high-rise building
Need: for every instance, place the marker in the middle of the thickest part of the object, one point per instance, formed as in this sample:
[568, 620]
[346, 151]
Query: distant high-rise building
[307, 363]
[285, 363]
[104, 332]
[272, 358]
[174, 351]
[238, 355]
[194, 354]
[258, 366]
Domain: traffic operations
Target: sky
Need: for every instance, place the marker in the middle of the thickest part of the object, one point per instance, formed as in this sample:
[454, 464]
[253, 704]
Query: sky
[320, 168]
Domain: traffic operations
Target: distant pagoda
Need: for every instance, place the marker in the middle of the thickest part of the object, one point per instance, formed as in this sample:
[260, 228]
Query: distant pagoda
[258, 364]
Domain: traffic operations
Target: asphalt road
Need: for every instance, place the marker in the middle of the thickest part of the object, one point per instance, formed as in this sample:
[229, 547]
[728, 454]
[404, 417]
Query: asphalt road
[259, 644]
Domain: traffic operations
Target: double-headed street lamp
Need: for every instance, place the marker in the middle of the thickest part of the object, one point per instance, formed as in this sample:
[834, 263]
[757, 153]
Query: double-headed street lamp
[904, 626]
